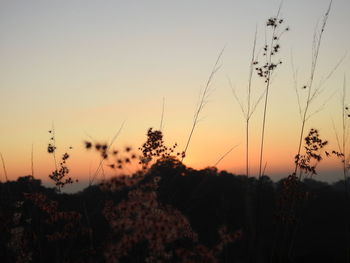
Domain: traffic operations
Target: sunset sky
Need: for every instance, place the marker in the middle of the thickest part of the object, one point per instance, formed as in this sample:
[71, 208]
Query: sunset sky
[88, 66]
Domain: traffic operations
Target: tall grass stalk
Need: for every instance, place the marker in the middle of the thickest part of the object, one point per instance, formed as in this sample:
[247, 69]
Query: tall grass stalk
[343, 149]
[4, 167]
[345, 161]
[53, 139]
[100, 166]
[312, 92]
[201, 103]
[224, 155]
[250, 107]
[32, 160]
[203, 100]
[162, 116]
[268, 54]
[345, 136]
[266, 71]
[247, 111]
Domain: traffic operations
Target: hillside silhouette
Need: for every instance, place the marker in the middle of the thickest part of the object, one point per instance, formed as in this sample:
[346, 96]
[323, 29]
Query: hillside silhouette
[45, 225]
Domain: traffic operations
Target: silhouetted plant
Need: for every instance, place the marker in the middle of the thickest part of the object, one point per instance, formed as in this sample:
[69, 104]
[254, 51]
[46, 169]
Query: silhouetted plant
[154, 149]
[104, 149]
[60, 174]
[312, 92]
[293, 195]
[4, 166]
[116, 159]
[250, 107]
[343, 155]
[313, 146]
[203, 97]
[266, 70]
[342, 139]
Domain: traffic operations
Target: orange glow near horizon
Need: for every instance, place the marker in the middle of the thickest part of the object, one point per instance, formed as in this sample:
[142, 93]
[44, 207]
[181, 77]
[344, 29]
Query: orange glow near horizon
[83, 163]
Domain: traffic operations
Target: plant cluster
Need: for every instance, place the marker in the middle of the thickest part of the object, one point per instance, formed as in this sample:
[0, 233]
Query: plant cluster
[293, 194]
[117, 159]
[313, 146]
[154, 149]
[60, 174]
[266, 70]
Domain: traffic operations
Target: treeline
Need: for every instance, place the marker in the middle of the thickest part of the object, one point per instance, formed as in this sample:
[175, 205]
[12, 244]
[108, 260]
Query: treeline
[172, 213]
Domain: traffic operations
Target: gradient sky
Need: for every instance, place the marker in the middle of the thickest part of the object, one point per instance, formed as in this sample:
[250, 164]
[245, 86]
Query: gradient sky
[87, 66]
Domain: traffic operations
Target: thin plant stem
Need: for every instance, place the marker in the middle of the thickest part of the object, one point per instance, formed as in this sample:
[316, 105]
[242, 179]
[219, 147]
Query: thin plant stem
[251, 106]
[202, 101]
[267, 70]
[54, 145]
[162, 116]
[269, 75]
[100, 166]
[263, 126]
[4, 167]
[295, 82]
[311, 95]
[32, 160]
[223, 156]
[315, 55]
[249, 102]
[345, 168]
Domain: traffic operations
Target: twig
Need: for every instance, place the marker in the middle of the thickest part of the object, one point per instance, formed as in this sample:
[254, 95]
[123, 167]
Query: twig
[32, 160]
[54, 145]
[322, 106]
[222, 157]
[295, 82]
[320, 89]
[236, 97]
[202, 101]
[162, 117]
[4, 167]
[99, 168]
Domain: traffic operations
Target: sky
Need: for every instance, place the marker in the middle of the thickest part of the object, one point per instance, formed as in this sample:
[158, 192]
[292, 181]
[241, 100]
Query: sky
[88, 66]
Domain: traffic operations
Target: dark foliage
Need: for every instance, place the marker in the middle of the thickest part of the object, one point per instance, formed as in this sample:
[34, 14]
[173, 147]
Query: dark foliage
[40, 225]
